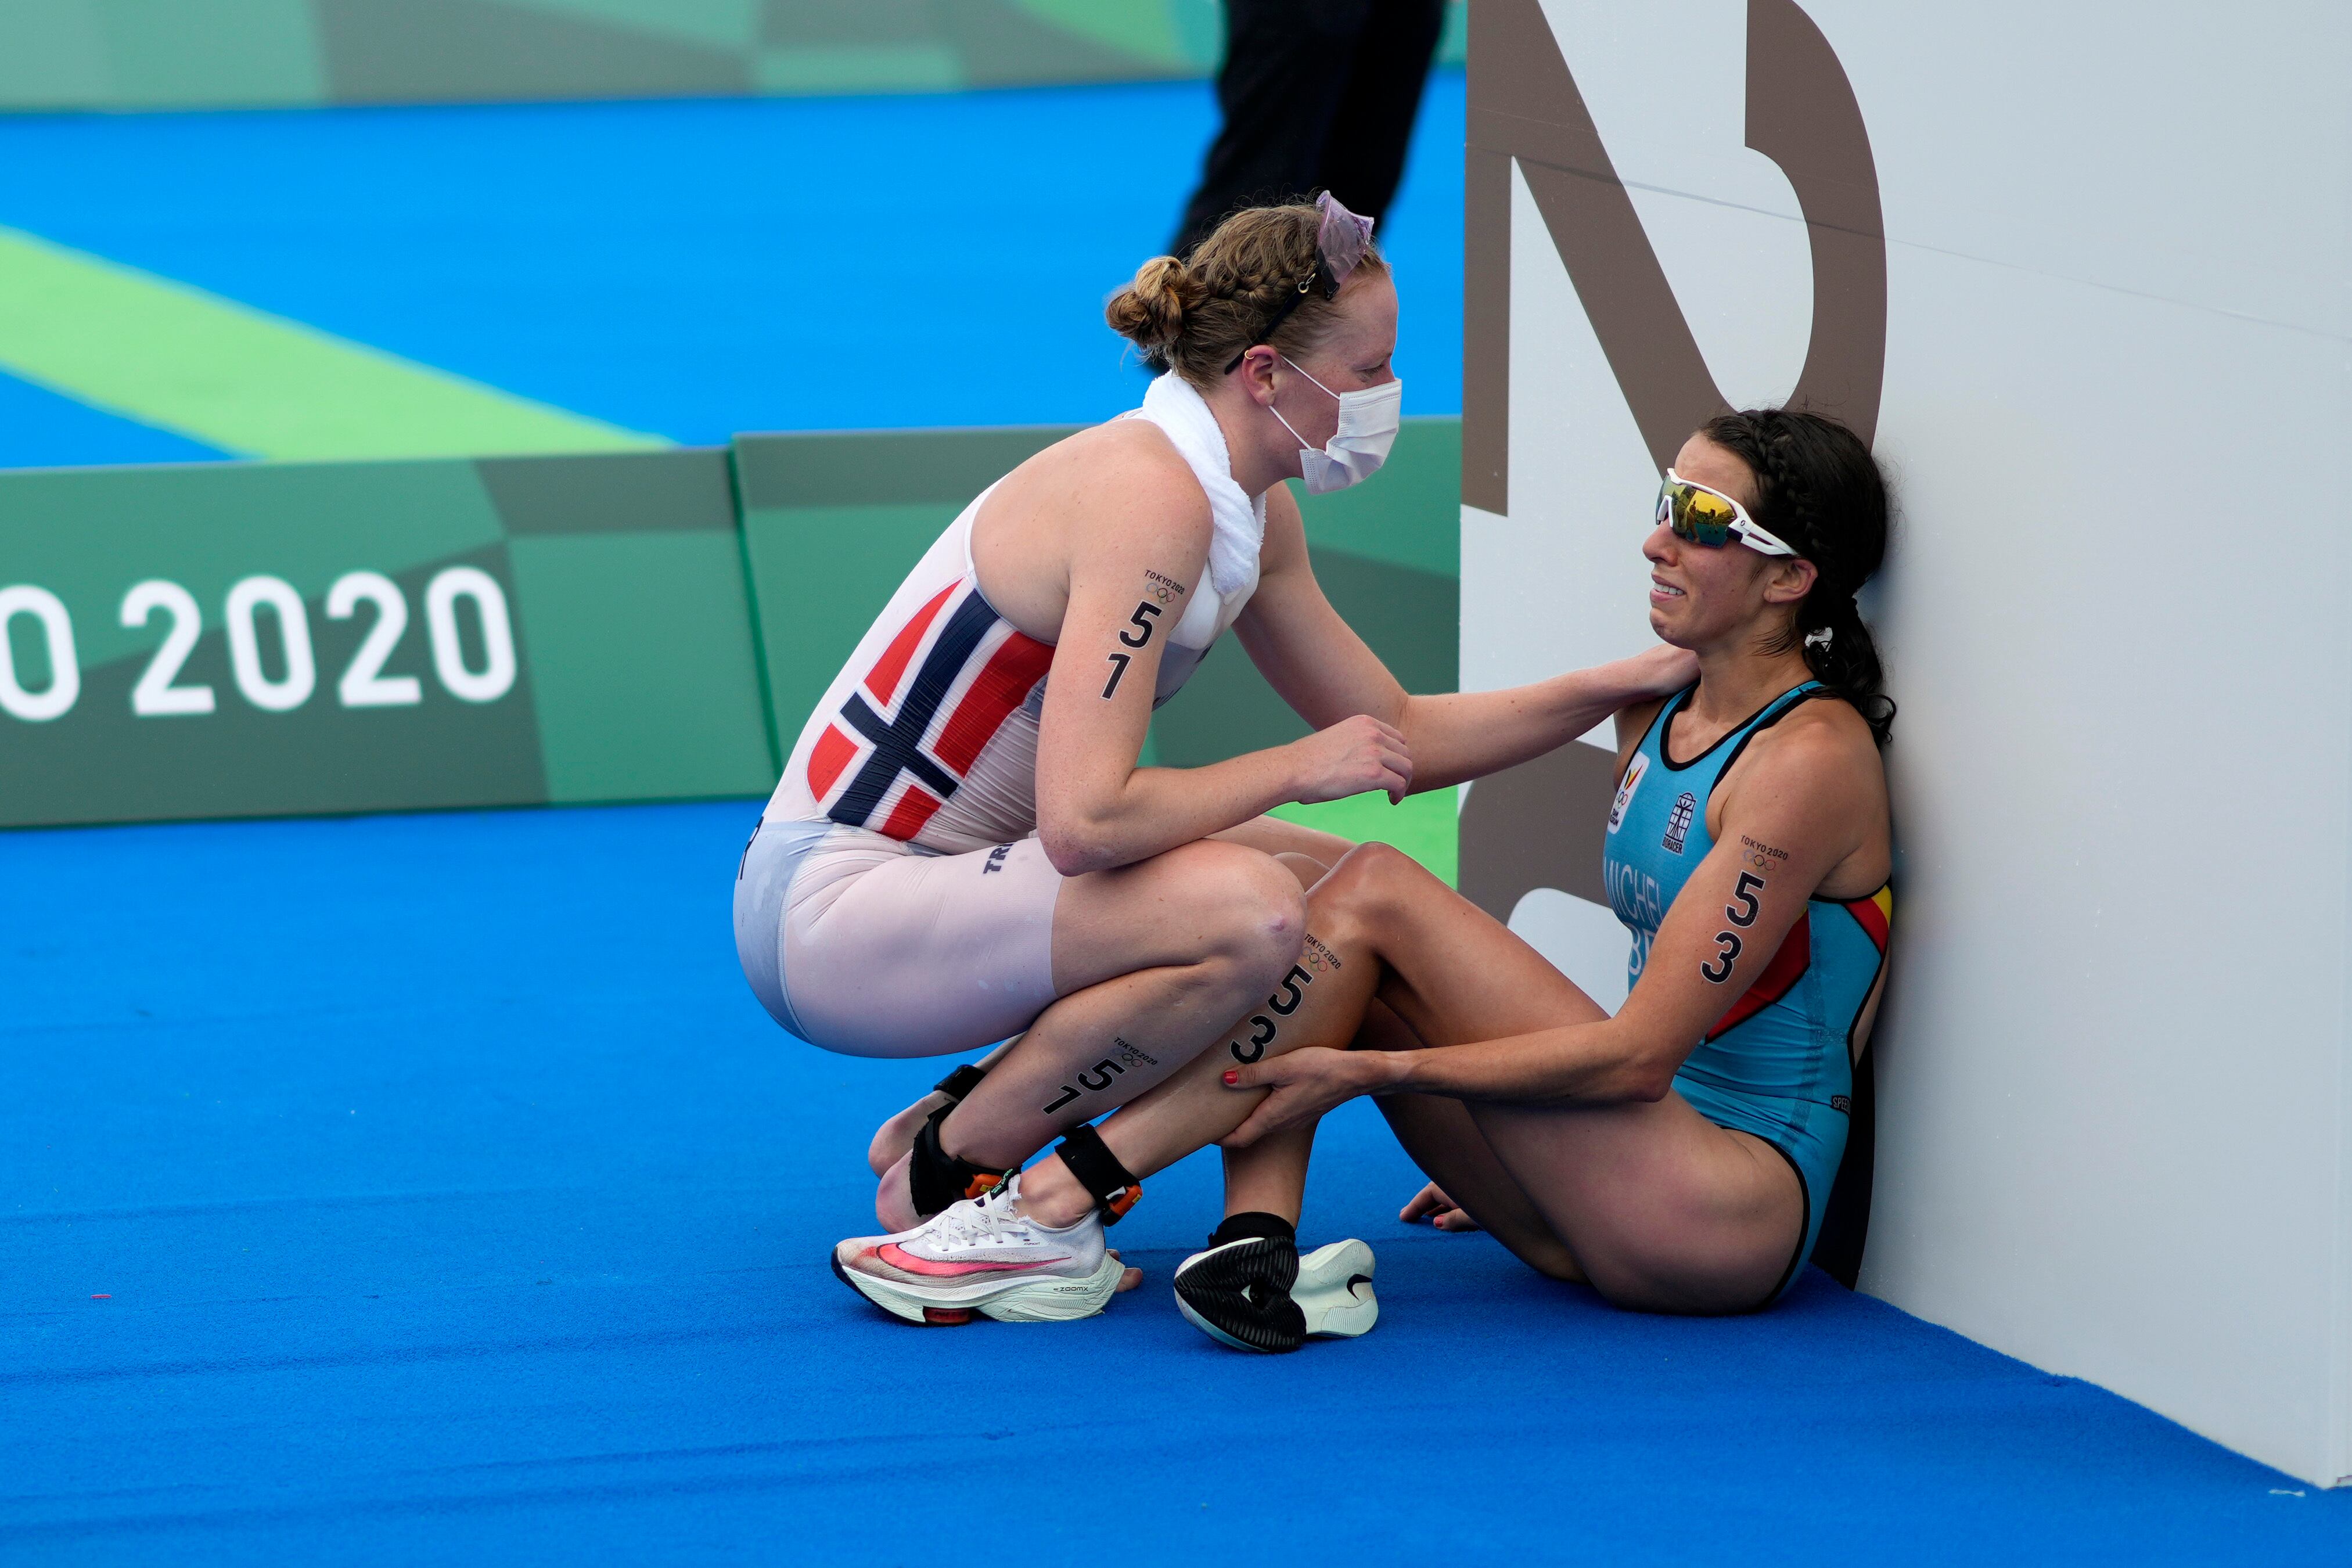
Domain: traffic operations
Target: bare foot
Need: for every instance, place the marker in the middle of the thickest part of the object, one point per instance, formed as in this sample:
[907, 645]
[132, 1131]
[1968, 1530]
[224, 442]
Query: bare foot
[894, 1200]
[1129, 1280]
[895, 1136]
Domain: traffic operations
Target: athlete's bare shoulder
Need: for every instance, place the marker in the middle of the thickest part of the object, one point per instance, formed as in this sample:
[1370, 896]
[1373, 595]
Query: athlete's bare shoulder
[1824, 734]
[1126, 474]
[1821, 764]
[1116, 497]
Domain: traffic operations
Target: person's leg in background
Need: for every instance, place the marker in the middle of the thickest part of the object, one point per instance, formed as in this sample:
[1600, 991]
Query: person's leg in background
[1371, 131]
[1317, 94]
[1287, 67]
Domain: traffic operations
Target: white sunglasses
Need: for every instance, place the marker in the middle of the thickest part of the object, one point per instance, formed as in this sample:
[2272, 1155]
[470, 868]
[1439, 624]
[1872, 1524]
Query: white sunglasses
[1710, 518]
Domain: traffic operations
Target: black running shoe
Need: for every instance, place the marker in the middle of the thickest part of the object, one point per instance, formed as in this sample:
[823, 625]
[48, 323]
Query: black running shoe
[1239, 1294]
[1230, 1295]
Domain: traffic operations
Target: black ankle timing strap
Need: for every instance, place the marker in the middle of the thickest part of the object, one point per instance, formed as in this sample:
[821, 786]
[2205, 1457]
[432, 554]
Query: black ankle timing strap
[1099, 1171]
[960, 1082]
[1253, 1224]
[936, 1178]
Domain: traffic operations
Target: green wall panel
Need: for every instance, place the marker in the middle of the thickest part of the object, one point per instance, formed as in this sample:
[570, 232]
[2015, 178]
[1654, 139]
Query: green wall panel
[642, 666]
[144, 54]
[832, 523]
[618, 578]
[624, 625]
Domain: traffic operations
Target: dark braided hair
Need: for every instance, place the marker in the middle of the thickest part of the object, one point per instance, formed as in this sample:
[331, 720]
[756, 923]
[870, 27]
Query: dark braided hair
[1818, 489]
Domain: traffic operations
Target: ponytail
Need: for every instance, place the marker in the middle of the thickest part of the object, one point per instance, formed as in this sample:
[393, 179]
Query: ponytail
[1842, 657]
[1818, 489]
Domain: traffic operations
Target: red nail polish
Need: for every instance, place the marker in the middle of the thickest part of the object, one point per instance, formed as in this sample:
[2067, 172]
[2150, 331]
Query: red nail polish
[1233, 1077]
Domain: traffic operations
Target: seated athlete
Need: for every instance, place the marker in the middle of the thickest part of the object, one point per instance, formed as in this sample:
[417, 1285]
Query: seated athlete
[963, 849]
[1677, 1155]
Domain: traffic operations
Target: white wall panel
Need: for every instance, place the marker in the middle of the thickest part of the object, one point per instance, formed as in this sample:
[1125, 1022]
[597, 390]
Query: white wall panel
[2117, 617]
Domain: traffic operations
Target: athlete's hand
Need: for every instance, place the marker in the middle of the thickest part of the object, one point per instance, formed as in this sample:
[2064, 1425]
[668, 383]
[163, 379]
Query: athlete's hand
[1305, 1084]
[1658, 672]
[1350, 757]
[1442, 1210]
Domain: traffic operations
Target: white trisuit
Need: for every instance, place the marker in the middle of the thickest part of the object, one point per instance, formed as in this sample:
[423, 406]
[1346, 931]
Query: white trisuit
[893, 900]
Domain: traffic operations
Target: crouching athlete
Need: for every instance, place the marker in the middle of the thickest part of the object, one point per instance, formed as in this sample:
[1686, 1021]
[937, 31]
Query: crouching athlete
[962, 848]
[1676, 1156]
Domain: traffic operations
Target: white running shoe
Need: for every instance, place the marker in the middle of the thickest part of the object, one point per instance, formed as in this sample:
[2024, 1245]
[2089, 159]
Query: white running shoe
[1335, 1290]
[1257, 1294]
[984, 1254]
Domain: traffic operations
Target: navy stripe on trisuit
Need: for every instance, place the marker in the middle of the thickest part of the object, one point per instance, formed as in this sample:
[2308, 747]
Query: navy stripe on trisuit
[1776, 1062]
[897, 744]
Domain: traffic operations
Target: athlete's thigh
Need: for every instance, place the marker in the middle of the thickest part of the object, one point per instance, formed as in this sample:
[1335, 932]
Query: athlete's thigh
[1179, 906]
[1191, 902]
[1453, 972]
[1664, 1210]
[888, 953]
[1659, 1207]
[1440, 1137]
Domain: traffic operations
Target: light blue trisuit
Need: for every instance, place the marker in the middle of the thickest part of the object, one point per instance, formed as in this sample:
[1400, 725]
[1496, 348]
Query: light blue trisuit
[1779, 1063]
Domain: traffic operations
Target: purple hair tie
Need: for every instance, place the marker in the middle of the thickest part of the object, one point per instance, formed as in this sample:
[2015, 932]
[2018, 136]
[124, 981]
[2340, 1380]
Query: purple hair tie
[1339, 245]
[1342, 241]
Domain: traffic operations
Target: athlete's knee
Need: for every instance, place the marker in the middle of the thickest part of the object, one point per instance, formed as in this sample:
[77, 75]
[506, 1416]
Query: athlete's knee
[1369, 887]
[1269, 914]
[1245, 909]
[1307, 870]
[1258, 910]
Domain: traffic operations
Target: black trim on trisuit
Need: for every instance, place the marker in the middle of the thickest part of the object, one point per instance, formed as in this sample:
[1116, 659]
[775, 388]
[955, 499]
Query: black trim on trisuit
[1682, 701]
[1804, 1226]
[1653, 724]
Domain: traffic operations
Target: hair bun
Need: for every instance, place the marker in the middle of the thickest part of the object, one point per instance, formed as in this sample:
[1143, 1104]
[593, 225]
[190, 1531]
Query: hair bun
[1149, 312]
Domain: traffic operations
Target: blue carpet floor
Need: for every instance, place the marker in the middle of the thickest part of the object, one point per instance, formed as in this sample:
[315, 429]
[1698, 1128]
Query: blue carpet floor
[429, 1188]
[701, 267]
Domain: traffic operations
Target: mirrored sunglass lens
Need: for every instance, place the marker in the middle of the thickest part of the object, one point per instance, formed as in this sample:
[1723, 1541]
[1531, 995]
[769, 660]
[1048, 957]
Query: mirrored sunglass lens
[1701, 517]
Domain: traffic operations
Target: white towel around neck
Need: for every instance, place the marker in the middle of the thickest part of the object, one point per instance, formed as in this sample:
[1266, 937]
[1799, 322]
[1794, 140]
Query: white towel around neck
[1172, 404]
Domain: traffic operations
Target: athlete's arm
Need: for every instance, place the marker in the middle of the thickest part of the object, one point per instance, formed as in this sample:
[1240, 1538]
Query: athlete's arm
[1131, 579]
[1802, 808]
[1323, 670]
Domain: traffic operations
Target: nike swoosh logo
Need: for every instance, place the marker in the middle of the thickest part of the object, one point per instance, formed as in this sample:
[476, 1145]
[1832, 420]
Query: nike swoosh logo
[895, 1257]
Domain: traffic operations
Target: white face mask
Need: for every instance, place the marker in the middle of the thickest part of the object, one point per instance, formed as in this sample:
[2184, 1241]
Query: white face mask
[1368, 428]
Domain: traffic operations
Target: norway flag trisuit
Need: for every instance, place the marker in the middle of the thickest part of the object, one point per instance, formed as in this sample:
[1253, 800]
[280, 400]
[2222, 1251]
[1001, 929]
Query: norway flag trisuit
[908, 734]
[895, 899]
[1778, 1064]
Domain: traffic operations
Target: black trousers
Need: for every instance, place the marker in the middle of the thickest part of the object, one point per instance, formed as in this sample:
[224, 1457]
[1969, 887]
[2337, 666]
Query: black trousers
[1317, 95]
